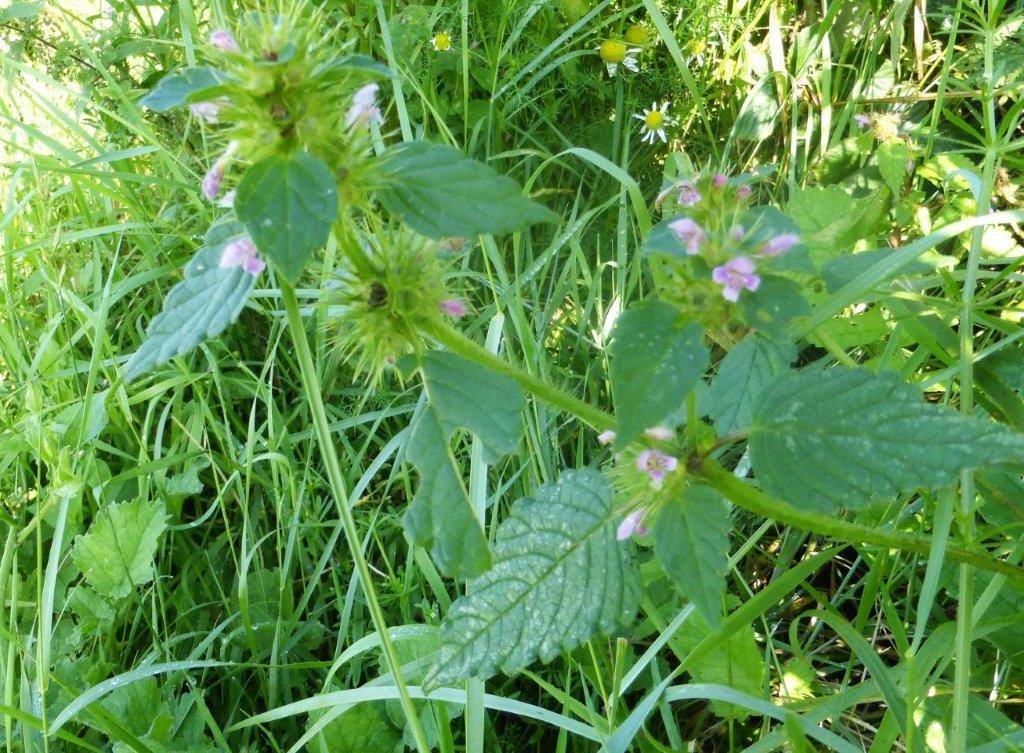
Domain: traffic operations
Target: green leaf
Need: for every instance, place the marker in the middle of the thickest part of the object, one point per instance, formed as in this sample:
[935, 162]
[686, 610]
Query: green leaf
[893, 156]
[560, 577]
[117, 552]
[775, 303]
[287, 203]
[742, 374]
[662, 240]
[763, 223]
[657, 358]
[846, 269]
[362, 63]
[691, 542]
[364, 728]
[844, 437]
[440, 516]
[200, 306]
[440, 192]
[737, 663]
[466, 394]
[830, 221]
[177, 89]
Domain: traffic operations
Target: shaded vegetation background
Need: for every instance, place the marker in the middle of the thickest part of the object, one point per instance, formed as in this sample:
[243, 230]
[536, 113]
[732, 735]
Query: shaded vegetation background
[237, 569]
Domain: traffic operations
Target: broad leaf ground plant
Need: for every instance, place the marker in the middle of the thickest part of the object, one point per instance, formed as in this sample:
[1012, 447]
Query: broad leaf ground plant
[705, 433]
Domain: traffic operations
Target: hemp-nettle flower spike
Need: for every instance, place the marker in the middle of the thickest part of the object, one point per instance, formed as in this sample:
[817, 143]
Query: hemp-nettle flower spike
[227, 200]
[205, 111]
[688, 194]
[689, 232]
[364, 110]
[780, 244]
[442, 41]
[222, 39]
[735, 275]
[453, 307]
[613, 54]
[659, 433]
[632, 525]
[654, 122]
[606, 437]
[656, 465]
[242, 253]
[214, 179]
[719, 180]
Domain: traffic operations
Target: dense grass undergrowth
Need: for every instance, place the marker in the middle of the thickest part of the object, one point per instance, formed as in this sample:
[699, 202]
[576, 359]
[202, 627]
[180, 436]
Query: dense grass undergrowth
[537, 375]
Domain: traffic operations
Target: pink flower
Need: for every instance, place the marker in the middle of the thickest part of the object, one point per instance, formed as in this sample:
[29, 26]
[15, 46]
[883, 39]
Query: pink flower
[862, 120]
[735, 275]
[213, 179]
[659, 433]
[221, 39]
[688, 194]
[744, 192]
[453, 307]
[736, 233]
[780, 244]
[689, 232]
[632, 525]
[364, 110]
[205, 111]
[242, 253]
[656, 465]
[719, 180]
[606, 437]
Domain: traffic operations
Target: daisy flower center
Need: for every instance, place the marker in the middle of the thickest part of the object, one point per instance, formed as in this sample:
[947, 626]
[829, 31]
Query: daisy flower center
[443, 41]
[654, 120]
[612, 51]
[637, 34]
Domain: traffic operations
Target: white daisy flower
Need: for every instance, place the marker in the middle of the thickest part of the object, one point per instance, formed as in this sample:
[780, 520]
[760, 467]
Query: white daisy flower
[654, 122]
[613, 54]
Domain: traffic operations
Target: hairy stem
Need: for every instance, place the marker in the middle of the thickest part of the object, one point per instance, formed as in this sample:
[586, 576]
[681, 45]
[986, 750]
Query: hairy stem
[314, 397]
[736, 491]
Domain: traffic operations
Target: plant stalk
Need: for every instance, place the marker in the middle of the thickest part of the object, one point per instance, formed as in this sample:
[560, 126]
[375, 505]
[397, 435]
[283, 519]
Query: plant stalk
[314, 398]
[736, 491]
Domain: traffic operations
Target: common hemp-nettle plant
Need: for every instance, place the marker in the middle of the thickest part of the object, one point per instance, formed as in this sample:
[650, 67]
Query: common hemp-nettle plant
[307, 163]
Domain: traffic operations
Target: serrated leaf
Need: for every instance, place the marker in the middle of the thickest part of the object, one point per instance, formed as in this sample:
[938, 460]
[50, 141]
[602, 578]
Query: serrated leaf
[177, 89]
[440, 516]
[440, 192]
[657, 358]
[893, 156]
[691, 542]
[200, 306]
[742, 374]
[737, 663]
[117, 552]
[466, 394]
[560, 577]
[775, 303]
[830, 221]
[842, 437]
[287, 203]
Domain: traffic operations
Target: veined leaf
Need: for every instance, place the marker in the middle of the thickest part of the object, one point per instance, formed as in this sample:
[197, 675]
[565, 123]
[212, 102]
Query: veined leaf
[177, 89]
[287, 203]
[657, 358]
[200, 306]
[440, 192]
[559, 578]
[743, 373]
[893, 157]
[843, 437]
[691, 542]
[117, 552]
[776, 303]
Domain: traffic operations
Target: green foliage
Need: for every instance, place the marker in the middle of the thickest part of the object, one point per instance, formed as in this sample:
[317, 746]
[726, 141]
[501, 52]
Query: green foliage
[776, 303]
[117, 552]
[744, 372]
[200, 306]
[440, 192]
[657, 358]
[559, 578]
[364, 728]
[691, 542]
[177, 89]
[841, 437]
[893, 157]
[287, 203]
[831, 221]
